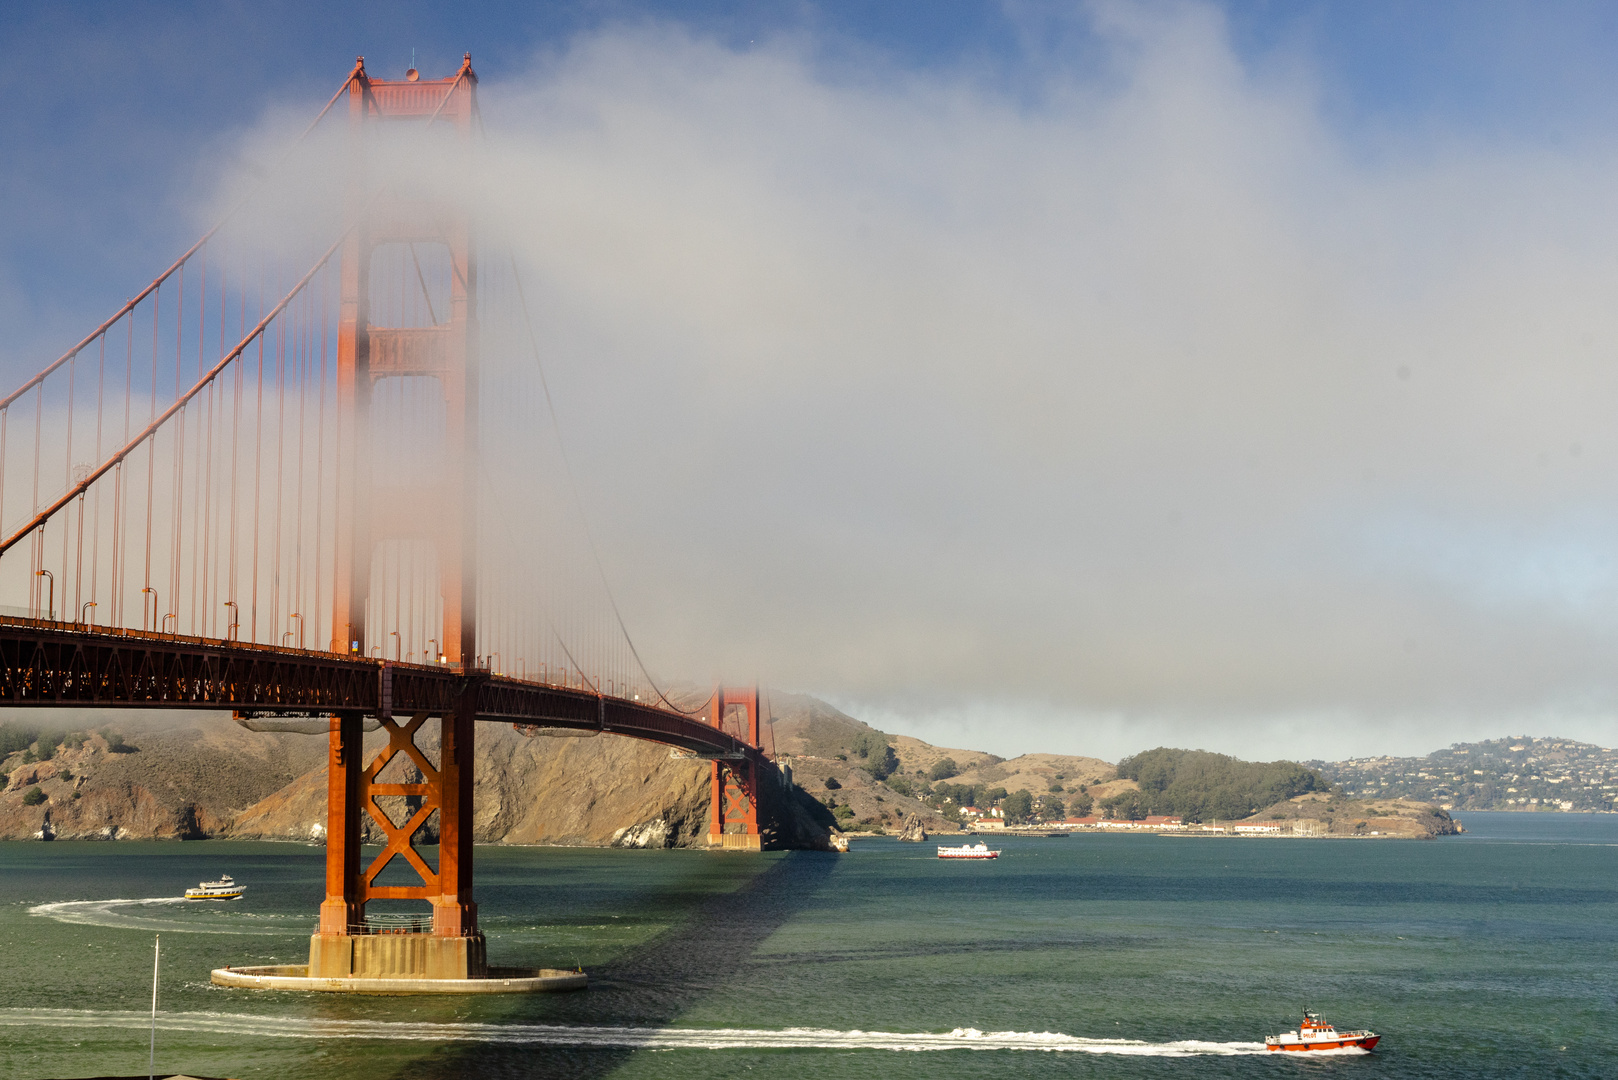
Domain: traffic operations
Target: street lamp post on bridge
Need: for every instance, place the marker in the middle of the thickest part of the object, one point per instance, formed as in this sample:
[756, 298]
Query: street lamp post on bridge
[50, 605]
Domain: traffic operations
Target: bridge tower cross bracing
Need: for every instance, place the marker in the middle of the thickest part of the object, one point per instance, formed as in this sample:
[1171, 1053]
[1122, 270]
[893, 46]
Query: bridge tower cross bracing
[436, 508]
[734, 825]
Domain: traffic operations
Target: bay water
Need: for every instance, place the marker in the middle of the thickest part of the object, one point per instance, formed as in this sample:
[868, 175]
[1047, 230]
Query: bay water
[1492, 954]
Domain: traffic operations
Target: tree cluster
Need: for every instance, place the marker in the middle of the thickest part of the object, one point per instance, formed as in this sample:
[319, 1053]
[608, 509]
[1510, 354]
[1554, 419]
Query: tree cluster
[14, 737]
[873, 749]
[980, 795]
[1201, 786]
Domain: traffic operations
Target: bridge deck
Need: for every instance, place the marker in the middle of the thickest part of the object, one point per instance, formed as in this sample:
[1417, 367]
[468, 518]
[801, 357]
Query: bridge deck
[66, 665]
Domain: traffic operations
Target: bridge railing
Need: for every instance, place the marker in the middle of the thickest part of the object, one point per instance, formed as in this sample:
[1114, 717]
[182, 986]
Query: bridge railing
[389, 923]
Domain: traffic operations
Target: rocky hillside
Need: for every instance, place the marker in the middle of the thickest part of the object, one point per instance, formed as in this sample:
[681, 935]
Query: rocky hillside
[1322, 814]
[1523, 773]
[183, 775]
[146, 776]
[837, 759]
[189, 776]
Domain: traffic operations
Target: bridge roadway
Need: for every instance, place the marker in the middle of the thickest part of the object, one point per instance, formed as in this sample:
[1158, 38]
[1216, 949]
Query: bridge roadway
[68, 665]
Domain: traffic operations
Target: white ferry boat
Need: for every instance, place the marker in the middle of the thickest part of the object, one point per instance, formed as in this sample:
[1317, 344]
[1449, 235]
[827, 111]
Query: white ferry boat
[1315, 1034]
[223, 889]
[967, 851]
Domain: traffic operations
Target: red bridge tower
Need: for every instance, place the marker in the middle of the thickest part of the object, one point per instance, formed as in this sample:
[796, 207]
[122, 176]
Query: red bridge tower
[735, 782]
[434, 509]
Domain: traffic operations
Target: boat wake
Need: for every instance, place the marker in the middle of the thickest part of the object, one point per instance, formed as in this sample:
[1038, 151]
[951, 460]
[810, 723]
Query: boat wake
[146, 914]
[622, 1038]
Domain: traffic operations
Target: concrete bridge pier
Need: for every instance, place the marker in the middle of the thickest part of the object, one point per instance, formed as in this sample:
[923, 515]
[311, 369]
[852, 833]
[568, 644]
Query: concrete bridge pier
[440, 953]
[346, 944]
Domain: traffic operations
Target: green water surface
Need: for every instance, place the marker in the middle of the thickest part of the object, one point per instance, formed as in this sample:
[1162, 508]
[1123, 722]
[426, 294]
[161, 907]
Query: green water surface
[1493, 954]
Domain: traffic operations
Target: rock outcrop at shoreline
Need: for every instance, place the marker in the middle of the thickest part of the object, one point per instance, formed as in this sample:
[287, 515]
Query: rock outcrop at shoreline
[913, 831]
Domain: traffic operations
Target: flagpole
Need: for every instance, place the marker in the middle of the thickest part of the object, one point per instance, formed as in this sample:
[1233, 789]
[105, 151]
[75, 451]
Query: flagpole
[151, 1063]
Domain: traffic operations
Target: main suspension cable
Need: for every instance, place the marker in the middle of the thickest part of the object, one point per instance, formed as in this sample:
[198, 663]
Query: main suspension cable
[578, 502]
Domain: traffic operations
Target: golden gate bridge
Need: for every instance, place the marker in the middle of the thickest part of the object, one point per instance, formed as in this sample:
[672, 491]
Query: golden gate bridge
[264, 484]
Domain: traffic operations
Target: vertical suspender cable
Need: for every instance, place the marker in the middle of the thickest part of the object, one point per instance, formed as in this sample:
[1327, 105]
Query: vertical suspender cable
[199, 505]
[177, 494]
[72, 380]
[151, 475]
[95, 526]
[281, 335]
[258, 456]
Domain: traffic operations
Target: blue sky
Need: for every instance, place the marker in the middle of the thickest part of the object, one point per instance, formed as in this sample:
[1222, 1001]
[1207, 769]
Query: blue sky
[118, 110]
[1195, 369]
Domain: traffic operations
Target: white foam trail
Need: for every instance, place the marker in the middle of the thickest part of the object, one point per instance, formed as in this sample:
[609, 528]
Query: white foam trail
[621, 1038]
[126, 915]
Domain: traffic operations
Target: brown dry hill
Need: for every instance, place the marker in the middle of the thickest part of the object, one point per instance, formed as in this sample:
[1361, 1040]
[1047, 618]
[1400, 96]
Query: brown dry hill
[196, 775]
[563, 791]
[1321, 814]
[179, 775]
[1038, 772]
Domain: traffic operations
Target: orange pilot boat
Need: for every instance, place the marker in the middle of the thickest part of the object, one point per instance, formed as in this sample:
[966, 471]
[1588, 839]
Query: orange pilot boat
[1315, 1034]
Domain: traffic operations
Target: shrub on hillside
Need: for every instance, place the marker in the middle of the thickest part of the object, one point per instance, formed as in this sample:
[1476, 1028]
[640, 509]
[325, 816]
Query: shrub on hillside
[832, 784]
[34, 797]
[863, 744]
[873, 749]
[943, 769]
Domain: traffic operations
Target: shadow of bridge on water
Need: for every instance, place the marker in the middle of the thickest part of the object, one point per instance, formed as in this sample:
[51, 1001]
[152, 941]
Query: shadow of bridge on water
[648, 986]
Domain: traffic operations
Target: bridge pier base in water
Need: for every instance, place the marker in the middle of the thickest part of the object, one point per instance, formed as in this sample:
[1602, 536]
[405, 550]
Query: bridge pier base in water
[446, 945]
[440, 953]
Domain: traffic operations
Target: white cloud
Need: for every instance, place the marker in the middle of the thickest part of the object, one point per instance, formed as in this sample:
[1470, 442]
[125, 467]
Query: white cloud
[1146, 402]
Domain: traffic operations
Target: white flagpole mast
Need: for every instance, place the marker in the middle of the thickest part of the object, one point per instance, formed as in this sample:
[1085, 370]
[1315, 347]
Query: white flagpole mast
[151, 1064]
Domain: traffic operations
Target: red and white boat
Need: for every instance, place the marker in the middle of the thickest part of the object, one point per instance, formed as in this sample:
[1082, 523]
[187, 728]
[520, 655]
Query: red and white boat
[1315, 1034]
[967, 851]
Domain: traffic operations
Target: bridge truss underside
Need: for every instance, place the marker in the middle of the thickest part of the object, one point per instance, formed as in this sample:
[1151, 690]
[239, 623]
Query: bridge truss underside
[56, 665]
